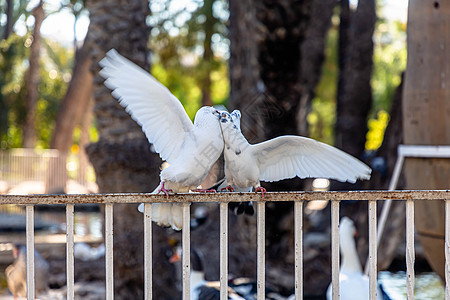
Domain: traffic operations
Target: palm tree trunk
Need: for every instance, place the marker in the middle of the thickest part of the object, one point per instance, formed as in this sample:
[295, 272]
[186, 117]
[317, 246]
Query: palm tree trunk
[121, 158]
[32, 93]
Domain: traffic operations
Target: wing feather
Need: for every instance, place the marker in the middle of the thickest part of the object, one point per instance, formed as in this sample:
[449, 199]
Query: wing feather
[161, 115]
[289, 156]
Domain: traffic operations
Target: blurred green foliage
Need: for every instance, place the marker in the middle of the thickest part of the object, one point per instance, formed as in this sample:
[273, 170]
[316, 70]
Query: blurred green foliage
[180, 34]
[389, 61]
[181, 31]
[56, 65]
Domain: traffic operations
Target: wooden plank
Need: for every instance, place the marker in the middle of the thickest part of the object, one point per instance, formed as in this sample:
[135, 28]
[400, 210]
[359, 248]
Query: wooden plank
[223, 251]
[30, 251]
[109, 256]
[447, 249]
[335, 249]
[426, 117]
[148, 251]
[373, 250]
[261, 249]
[298, 228]
[428, 195]
[186, 242]
[70, 268]
[410, 254]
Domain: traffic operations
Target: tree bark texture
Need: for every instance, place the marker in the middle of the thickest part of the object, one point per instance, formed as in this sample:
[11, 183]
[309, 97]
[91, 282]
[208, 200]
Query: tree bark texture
[32, 93]
[354, 97]
[121, 158]
[426, 117]
[276, 56]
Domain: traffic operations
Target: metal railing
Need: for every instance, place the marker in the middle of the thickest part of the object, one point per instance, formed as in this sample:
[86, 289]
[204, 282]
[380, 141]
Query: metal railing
[224, 198]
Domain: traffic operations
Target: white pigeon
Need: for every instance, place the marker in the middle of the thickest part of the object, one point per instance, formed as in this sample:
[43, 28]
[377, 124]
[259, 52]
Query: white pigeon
[353, 284]
[190, 149]
[281, 158]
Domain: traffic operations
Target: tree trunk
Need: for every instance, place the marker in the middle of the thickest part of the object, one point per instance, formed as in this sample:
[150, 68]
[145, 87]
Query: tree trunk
[121, 158]
[9, 19]
[32, 93]
[83, 159]
[276, 55]
[426, 117]
[208, 56]
[71, 109]
[354, 97]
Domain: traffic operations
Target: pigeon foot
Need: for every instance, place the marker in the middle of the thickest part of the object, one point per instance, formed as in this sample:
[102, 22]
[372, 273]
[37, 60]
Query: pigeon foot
[164, 190]
[262, 190]
[228, 188]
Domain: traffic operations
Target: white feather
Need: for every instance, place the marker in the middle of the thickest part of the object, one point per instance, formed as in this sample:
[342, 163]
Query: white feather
[289, 156]
[283, 157]
[161, 115]
[190, 149]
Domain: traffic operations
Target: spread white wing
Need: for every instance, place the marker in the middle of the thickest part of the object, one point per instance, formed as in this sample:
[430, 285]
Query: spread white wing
[289, 156]
[160, 114]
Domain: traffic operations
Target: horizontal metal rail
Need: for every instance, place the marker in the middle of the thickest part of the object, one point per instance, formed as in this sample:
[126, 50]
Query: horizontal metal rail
[224, 197]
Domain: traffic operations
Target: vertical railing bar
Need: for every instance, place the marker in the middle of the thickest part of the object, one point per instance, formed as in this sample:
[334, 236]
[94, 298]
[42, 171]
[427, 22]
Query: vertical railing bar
[109, 251]
[147, 251]
[373, 249]
[387, 204]
[261, 250]
[335, 249]
[186, 260]
[447, 249]
[410, 254]
[69, 251]
[30, 251]
[298, 220]
[223, 251]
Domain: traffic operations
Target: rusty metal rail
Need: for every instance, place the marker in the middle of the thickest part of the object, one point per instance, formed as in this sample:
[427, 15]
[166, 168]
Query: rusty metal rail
[224, 198]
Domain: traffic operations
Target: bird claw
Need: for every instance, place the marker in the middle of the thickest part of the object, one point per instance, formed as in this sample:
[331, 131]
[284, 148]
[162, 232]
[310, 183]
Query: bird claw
[164, 190]
[204, 190]
[228, 188]
[262, 190]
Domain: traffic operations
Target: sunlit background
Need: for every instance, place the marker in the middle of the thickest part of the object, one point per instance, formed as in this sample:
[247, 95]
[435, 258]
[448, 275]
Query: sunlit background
[177, 48]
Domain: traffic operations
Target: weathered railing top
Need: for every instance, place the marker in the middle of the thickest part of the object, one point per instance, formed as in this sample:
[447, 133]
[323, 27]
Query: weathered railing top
[225, 197]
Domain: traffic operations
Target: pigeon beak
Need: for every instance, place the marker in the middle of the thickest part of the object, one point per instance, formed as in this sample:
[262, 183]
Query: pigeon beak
[174, 258]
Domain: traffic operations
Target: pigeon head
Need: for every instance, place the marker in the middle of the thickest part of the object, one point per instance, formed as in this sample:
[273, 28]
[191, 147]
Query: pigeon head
[347, 229]
[236, 117]
[206, 115]
[227, 121]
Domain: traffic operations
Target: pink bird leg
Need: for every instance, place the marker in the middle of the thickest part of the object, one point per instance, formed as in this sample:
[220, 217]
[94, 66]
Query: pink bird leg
[262, 190]
[228, 188]
[164, 190]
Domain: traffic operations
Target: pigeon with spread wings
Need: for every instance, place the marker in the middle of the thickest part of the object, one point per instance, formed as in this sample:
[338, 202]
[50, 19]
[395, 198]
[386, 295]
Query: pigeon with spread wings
[190, 149]
[282, 158]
